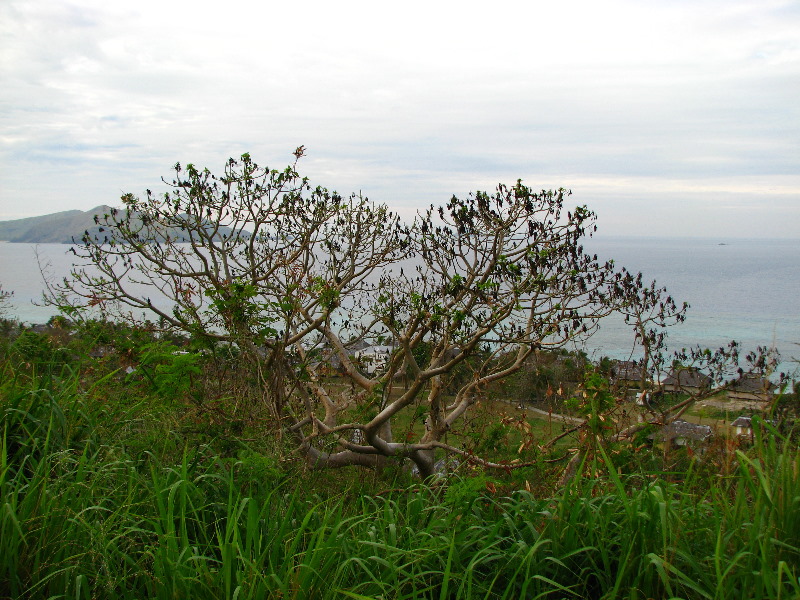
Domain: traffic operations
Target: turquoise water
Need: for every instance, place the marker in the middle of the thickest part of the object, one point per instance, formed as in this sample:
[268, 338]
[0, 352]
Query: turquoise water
[743, 290]
[747, 290]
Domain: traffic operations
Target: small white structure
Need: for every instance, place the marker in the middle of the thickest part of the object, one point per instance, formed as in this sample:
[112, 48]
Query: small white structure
[744, 425]
[374, 358]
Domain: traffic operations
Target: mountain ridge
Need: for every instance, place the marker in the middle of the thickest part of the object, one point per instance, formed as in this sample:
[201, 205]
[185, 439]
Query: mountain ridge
[67, 227]
[64, 227]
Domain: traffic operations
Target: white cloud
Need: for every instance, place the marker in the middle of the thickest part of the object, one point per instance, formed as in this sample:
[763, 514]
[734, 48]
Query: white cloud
[409, 102]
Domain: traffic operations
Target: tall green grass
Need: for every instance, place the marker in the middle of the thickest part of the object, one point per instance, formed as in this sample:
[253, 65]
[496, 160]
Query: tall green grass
[82, 518]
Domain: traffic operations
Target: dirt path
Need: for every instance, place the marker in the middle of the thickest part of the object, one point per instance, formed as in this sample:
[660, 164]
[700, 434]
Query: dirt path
[540, 412]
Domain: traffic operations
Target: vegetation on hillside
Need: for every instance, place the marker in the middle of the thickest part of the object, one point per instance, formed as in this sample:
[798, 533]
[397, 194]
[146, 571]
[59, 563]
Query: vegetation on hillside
[119, 483]
[293, 277]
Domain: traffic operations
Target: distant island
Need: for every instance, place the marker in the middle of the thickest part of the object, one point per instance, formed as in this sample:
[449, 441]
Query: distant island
[66, 227]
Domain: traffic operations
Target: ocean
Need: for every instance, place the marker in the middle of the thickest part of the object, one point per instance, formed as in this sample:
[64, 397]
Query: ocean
[743, 290]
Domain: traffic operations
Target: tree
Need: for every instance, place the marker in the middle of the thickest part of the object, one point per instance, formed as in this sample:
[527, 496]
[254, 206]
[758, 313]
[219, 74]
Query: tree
[649, 310]
[5, 298]
[292, 275]
[497, 276]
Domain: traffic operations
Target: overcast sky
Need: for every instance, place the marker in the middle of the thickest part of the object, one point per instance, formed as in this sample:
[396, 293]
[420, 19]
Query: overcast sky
[665, 117]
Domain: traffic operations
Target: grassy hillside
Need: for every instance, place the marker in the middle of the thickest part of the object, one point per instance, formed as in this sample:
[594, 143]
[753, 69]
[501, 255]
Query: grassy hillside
[161, 483]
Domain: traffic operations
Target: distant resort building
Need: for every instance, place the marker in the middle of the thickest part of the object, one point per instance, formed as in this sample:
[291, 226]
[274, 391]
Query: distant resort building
[627, 373]
[328, 360]
[374, 358]
[682, 433]
[686, 380]
[751, 386]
